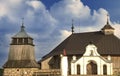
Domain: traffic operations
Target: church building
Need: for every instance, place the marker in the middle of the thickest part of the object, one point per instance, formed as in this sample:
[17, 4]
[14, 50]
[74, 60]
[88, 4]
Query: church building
[88, 53]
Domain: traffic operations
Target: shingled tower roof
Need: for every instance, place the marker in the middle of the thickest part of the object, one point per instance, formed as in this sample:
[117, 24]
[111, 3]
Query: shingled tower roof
[107, 26]
[22, 33]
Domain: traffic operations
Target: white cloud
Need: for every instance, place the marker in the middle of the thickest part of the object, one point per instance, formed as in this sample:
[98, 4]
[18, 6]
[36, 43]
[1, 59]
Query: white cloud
[65, 34]
[8, 8]
[36, 4]
[117, 29]
[3, 10]
[66, 10]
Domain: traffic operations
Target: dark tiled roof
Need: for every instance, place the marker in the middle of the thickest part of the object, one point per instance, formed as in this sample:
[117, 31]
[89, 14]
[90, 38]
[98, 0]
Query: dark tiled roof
[21, 64]
[76, 43]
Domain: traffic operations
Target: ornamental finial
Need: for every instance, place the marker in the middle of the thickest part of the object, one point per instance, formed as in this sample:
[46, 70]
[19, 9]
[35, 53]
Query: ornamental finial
[107, 18]
[72, 28]
[22, 27]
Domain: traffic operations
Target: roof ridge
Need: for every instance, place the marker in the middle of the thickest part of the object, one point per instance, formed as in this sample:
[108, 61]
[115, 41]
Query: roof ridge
[88, 32]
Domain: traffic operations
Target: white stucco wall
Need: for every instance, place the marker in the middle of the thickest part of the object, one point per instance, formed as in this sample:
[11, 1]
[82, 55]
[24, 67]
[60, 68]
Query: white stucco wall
[64, 66]
[91, 54]
[85, 60]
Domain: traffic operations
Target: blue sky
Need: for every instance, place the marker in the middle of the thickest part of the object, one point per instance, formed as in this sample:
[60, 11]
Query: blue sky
[109, 5]
[49, 21]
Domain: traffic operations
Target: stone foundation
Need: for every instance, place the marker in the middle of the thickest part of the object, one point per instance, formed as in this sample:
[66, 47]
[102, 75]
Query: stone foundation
[19, 71]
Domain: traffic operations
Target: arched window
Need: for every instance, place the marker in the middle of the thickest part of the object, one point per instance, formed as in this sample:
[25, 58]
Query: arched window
[104, 70]
[92, 68]
[78, 69]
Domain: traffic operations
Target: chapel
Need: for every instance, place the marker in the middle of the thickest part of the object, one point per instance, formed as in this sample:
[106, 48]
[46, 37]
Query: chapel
[86, 53]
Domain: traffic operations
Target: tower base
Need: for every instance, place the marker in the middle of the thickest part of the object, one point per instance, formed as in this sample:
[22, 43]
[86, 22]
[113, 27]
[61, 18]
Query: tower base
[19, 71]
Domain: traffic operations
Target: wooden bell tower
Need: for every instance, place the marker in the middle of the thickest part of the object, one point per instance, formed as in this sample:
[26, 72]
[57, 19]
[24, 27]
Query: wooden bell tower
[21, 59]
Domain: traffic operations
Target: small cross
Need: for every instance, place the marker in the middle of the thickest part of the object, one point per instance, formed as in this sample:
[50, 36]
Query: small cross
[22, 27]
[72, 26]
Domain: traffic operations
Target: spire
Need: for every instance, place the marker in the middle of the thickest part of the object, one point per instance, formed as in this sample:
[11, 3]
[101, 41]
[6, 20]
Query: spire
[22, 21]
[22, 33]
[72, 28]
[22, 27]
[107, 26]
[107, 18]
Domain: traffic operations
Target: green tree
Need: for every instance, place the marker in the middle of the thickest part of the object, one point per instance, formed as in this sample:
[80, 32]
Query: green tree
[1, 72]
